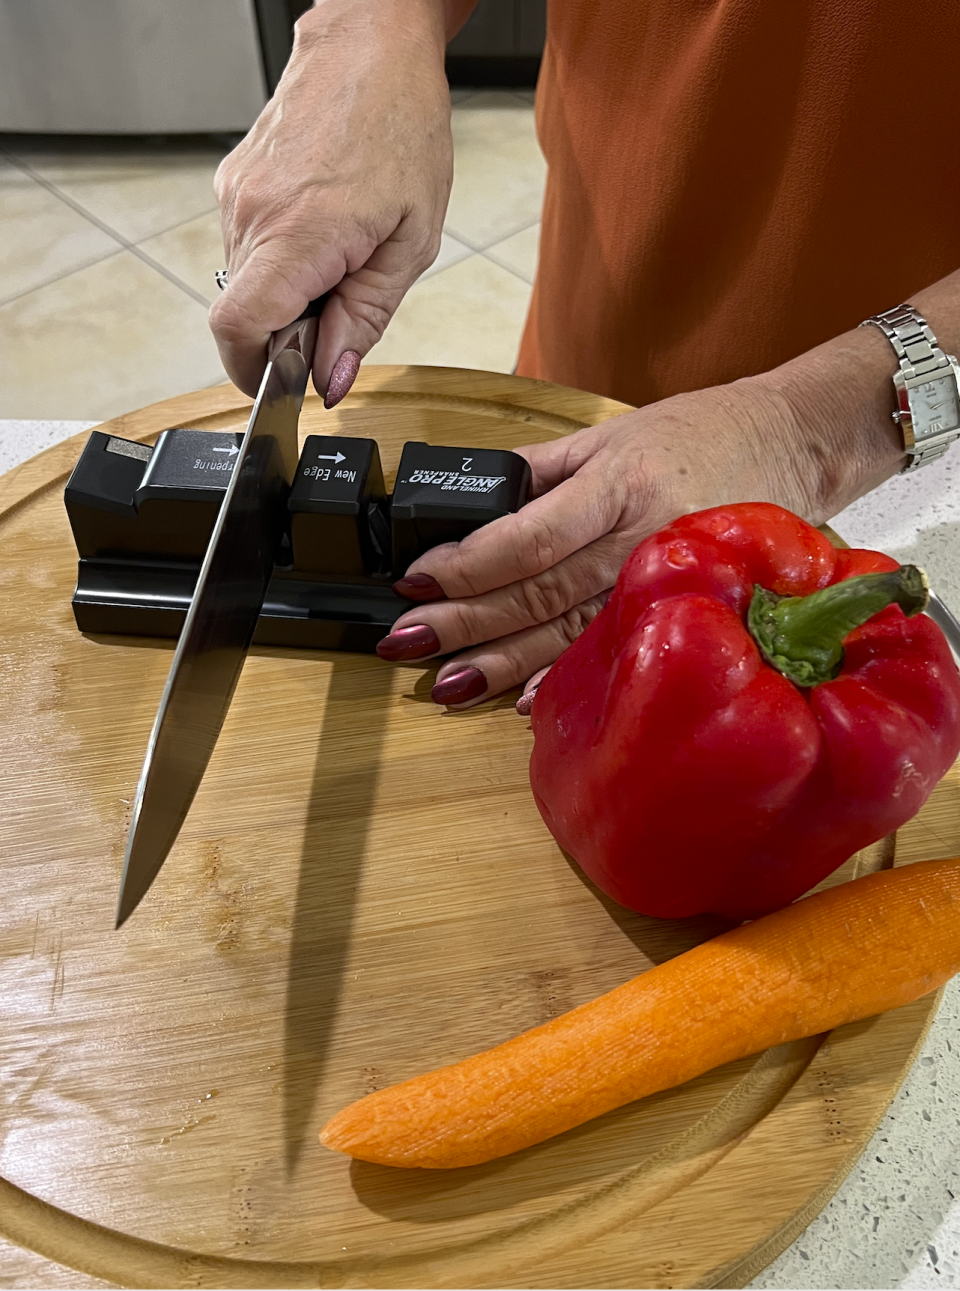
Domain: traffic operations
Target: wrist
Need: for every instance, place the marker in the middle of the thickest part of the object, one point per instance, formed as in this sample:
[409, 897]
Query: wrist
[723, 444]
[365, 25]
[838, 399]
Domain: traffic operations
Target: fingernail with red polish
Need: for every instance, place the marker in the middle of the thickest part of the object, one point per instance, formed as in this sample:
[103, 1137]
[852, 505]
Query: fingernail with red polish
[525, 702]
[409, 643]
[342, 377]
[419, 587]
[468, 683]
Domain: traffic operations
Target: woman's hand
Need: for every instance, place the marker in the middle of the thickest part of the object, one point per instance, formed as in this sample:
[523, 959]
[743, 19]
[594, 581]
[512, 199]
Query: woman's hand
[341, 184]
[508, 599]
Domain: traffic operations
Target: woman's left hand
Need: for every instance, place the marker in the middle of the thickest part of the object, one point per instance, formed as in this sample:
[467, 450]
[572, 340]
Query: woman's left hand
[508, 599]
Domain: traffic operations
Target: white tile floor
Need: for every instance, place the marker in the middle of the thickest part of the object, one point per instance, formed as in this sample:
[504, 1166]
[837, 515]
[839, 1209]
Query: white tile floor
[107, 256]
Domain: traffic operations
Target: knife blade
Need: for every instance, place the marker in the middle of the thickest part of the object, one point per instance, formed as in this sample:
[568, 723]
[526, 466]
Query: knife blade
[222, 617]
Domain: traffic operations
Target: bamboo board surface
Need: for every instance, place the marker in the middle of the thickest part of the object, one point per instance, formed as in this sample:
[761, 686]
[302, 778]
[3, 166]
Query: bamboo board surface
[363, 889]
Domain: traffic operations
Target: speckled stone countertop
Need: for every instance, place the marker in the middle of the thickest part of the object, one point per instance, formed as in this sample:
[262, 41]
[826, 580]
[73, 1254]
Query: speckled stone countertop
[895, 1222]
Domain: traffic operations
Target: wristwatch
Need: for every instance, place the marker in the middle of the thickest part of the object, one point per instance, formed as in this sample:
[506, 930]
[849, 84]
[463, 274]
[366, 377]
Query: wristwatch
[927, 385]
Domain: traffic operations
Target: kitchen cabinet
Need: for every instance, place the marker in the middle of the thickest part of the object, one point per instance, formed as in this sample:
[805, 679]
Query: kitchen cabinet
[500, 44]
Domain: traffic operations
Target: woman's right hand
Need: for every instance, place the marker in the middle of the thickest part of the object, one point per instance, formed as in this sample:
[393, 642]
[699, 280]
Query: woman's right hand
[342, 185]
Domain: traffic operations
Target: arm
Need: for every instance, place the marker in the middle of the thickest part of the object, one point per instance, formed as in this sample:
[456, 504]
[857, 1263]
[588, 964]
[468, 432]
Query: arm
[811, 435]
[341, 184]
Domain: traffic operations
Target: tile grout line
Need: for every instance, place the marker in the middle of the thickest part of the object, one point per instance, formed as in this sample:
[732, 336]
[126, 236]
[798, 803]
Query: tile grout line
[437, 273]
[481, 248]
[49, 282]
[125, 243]
[487, 254]
[72, 202]
[171, 277]
[80, 209]
[506, 268]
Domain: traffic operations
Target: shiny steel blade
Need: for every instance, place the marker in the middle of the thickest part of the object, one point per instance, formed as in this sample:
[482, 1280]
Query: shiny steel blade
[218, 628]
[945, 621]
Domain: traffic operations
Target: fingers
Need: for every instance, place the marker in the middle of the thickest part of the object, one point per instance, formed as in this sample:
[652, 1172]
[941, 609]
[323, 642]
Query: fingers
[270, 289]
[279, 279]
[451, 625]
[553, 462]
[487, 670]
[525, 702]
[341, 378]
[531, 541]
[365, 300]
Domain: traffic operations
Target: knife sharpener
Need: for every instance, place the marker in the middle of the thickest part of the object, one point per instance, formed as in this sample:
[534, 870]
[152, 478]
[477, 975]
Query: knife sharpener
[142, 517]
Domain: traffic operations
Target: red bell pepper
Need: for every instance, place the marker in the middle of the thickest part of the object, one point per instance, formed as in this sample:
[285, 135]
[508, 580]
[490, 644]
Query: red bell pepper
[689, 767]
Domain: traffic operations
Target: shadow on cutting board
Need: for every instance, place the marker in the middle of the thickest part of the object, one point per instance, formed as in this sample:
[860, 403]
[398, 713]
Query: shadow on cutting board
[589, 1154]
[341, 806]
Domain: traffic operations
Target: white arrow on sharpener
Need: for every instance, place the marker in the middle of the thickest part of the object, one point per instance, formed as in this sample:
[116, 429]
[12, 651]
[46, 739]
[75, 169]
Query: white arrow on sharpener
[329, 457]
[233, 450]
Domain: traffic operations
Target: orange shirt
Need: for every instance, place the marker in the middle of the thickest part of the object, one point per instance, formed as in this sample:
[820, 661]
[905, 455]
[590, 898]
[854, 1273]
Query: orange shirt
[734, 181]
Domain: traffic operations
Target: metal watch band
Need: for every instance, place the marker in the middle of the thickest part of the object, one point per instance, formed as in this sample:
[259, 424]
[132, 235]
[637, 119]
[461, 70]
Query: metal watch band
[920, 357]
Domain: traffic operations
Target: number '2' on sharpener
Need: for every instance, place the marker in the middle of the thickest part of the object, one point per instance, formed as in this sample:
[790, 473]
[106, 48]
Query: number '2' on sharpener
[443, 494]
[142, 518]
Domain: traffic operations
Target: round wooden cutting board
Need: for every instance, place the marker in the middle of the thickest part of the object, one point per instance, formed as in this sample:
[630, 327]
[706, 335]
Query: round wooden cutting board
[362, 890]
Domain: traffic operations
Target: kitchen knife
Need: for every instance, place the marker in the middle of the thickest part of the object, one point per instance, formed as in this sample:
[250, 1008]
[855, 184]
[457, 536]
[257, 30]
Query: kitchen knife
[223, 613]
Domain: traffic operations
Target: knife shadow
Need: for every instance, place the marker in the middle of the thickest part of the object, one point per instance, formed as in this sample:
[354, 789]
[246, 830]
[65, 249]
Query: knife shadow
[437, 1196]
[346, 772]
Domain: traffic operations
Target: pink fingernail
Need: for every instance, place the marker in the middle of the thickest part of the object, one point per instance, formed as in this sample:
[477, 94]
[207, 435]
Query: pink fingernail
[342, 377]
[468, 683]
[409, 643]
[419, 587]
[525, 702]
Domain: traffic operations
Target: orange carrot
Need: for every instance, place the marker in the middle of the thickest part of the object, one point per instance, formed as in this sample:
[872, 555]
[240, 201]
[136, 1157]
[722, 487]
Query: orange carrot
[844, 954]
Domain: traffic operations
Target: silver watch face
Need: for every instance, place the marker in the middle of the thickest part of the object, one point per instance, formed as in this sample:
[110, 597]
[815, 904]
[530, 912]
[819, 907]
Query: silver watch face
[934, 407]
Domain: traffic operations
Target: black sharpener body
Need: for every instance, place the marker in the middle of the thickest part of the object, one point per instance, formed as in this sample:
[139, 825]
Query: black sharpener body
[142, 517]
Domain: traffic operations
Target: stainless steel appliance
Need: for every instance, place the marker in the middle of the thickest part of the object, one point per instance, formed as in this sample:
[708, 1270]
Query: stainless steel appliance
[140, 66]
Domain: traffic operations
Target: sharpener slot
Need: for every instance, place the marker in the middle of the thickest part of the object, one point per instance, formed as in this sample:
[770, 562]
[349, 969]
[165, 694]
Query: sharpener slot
[337, 526]
[444, 494]
[182, 488]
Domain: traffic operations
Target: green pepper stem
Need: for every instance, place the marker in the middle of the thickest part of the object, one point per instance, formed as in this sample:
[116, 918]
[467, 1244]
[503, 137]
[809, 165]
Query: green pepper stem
[802, 636]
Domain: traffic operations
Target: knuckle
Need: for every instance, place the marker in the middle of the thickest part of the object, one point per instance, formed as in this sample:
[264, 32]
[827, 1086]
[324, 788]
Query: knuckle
[368, 306]
[258, 209]
[374, 314]
[249, 206]
[456, 571]
[426, 253]
[574, 621]
[223, 180]
[229, 321]
[536, 544]
[460, 625]
[543, 597]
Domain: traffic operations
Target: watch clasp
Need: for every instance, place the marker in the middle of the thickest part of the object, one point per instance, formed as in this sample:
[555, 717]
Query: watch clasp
[902, 414]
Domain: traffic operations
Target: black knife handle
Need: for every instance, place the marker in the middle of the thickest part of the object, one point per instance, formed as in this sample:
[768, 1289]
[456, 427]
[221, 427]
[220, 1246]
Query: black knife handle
[313, 310]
